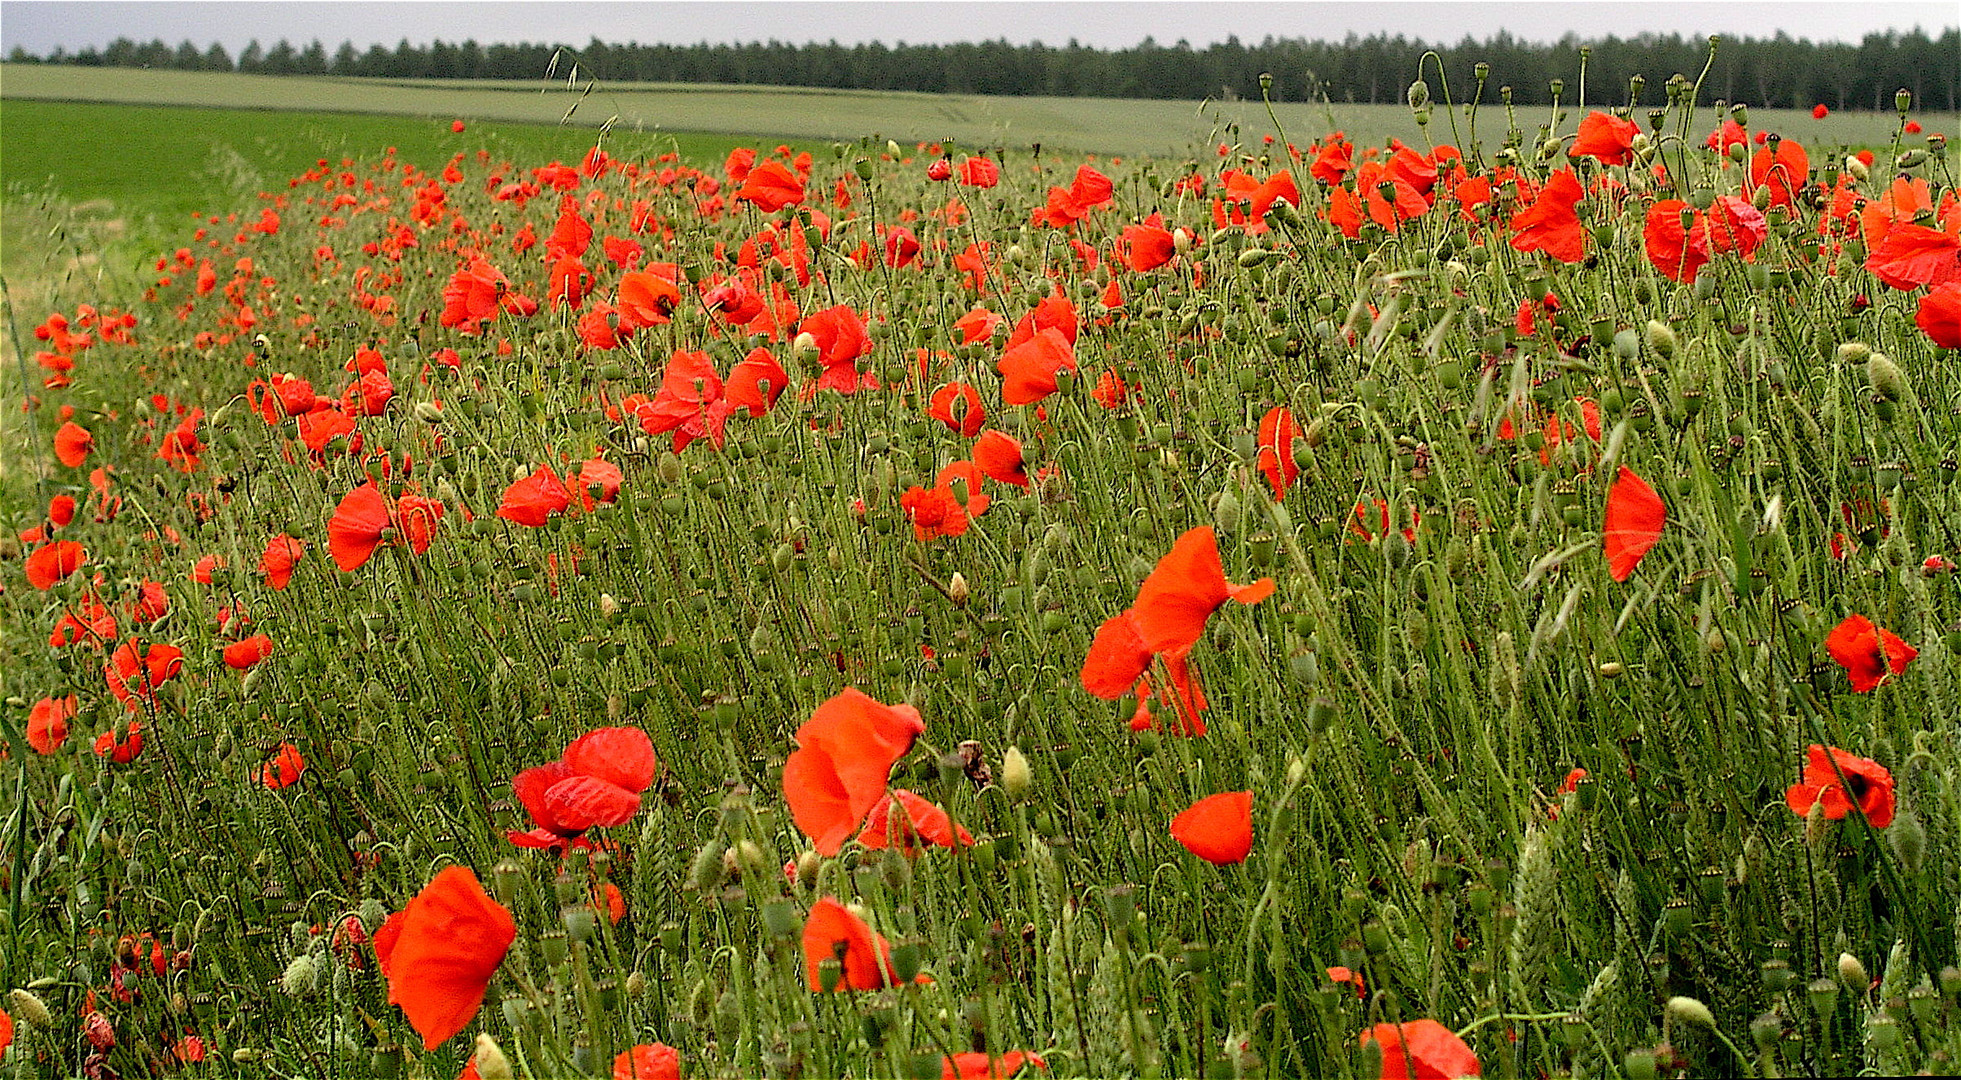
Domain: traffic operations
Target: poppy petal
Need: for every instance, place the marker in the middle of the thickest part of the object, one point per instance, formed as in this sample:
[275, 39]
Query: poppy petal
[583, 802]
[623, 756]
[1218, 828]
[452, 939]
[1635, 516]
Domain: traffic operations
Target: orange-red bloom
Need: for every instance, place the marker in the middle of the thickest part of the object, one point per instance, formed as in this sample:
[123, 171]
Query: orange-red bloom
[1635, 516]
[1939, 316]
[1607, 139]
[958, 406]
[533, 500]
[72, 444]
[1029, 369]
[770, 186]
[908, 822]
[998, 455]
[443, 952]
[658, 1061]
[1867, 785]
[284, 769]
[47, 723]
[1217, 828]
[51, 563]
[1552, 224]
[845, 752]
[1421, 1050]
[281, 555]
[1276, 462]
[241, 655]
[355, 530]
[833, 932]
[595, 783]
[981, 1066]
[1868, 653]
[1187, 586]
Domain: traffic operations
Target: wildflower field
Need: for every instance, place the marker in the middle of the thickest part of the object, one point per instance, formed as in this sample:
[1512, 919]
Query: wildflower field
[1477, 605]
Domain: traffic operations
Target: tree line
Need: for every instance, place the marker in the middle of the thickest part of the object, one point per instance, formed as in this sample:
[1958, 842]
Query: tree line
[1774, 72]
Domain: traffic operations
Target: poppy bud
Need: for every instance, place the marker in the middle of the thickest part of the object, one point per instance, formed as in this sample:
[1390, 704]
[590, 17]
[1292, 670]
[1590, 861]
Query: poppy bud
[1227, 513]
[1419, 94]
[958, 591]
[31, 1009]
[428, 412]
[1884, 376]
[706, 871]
[490, 1060]
[1661, 338]
[1858, 169]
[1017, 777]
[1909, 840]
[1181, 240]
[302, 976]
[1853, 973]
[1687, 1010]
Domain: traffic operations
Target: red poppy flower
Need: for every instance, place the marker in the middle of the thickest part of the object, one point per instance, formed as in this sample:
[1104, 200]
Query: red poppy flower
[1217, 828]
[1187, 586]
[121, 746]
[1867, 785]
[596, 783]
[1148, 246]
[980, 172]
[1819, 112]
[1552, 224]
[1054, 312]
[1607, 139]
[1914, 255]
[1939, 316]
[1030, 368]
[356, 528]
[1784, 170]
[284, 769]
[281, 555]
[135, 672]
[644, 1062]
[53, 562]
[1277, 434]
[1868, 653]
[901, 248]
[1421, 1050]
[978, 1065]
[934, 512]
[915, 822]
[958, 406]
[241, 655]
[1678, 253]
[72, 444]
[1333, 161]
[646, 298]
[1635, 516]
[417, 517]
[845, 752]
[1117, 658]
[770, 186]
[323, 425]
[755, 382]
[690, 403]
[977, 325]
[443, 952]
[998, 455]
[61, 510]
[47, 723]
[841, 339]
[533, 500]
[832, 932]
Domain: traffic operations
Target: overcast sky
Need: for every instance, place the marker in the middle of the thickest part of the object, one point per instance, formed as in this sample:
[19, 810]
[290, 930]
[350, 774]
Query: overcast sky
[40, 25]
